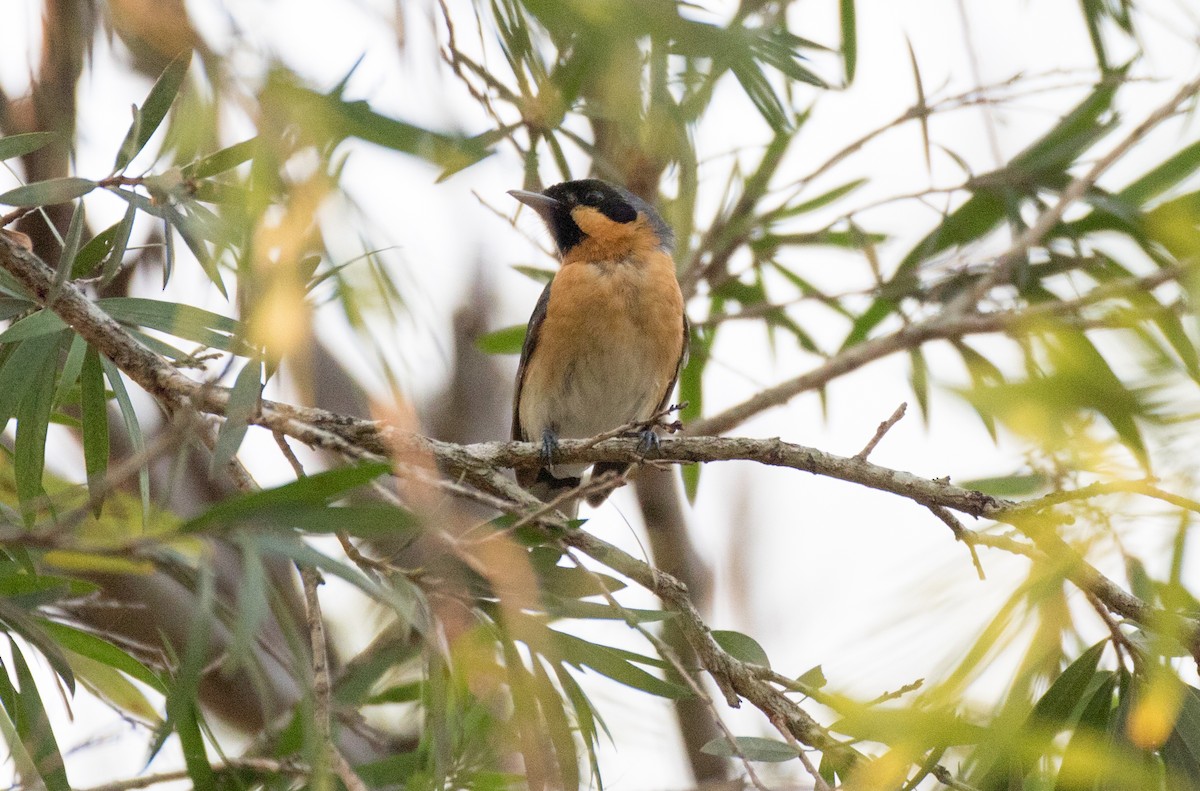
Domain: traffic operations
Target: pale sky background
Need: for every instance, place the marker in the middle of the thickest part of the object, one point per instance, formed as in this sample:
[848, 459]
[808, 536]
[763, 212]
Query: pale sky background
[836, 569]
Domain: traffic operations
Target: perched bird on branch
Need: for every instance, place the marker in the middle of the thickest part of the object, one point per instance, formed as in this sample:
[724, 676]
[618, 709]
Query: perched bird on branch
[608, 337]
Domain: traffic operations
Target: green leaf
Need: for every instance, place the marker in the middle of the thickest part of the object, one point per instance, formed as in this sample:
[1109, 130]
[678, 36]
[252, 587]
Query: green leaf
[94, 406]
[242, 405]
[1060, 701]
[158, 102]
[36, 732]
[33, 420]
[920, 380]
[20, 370]
[849, 38]
[95, 251]
[17, 621]
[752, 748]
[316, 489]
[1079, 761]
[184, 715]
[70, 248]
[1166, 175]
[1009, 485]
[223, 160]
[50, 192]
[612, 663]
[100, 650]
[814, 677]
[1181, 751]
[20, 145]
[136, 442]
[35, 325]
[183, 321]
[116, 253]
[506, 341]
[741, 646]
[330, 117]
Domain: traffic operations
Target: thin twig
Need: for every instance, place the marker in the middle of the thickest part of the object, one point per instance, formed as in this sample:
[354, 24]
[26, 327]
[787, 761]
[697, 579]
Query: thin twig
[960, 533]
[884, 428]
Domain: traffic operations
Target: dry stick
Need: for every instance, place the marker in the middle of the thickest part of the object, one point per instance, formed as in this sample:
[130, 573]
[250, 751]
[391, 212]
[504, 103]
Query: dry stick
[884, 428]
[477, 466]
[264, 765]
[960, 533]
[1074, 191]
[946, 325]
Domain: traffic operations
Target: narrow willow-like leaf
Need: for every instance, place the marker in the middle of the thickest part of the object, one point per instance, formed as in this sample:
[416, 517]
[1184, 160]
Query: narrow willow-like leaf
[752, 748]
[152, 112]
[48, 193]
[71, 246]
[116, 254]
[133, 428]
[94, 406]
[35, 730]
[243, 402]
[33, 420]
[849, 38]
[19, 145]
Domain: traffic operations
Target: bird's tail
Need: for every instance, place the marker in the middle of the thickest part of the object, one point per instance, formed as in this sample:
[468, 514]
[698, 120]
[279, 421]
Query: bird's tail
[547, 488]
[617, 468]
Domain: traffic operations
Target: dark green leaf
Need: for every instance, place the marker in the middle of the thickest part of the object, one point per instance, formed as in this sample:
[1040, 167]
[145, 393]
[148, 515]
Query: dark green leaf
[133, 428]
[1060, 701]
[93, 647]
[50, 192]
[20, 145]
[15, 620]
[35, 729]
[741, 646]
[316, 489]
[44, 322]
[20, 370]
[752, 748]
[33, 419]
[94, 406]
[92, 253]
[183, 321]
[1079, 761]
[116, 253]
[71, 246]
[505, 341]
[1181, 752]
[152, 112]
[612, 663]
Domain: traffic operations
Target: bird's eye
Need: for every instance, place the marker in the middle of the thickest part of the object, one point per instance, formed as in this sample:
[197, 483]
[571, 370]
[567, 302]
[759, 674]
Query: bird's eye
[594, 198]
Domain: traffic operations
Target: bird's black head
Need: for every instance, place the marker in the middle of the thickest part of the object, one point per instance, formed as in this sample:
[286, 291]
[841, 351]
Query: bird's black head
[575, 210]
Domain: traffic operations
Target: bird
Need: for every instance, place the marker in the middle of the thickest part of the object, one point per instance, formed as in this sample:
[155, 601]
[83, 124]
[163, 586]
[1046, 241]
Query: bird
[607, 338]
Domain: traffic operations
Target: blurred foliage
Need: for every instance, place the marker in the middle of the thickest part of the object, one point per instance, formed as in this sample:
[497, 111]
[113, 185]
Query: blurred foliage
[480, 668]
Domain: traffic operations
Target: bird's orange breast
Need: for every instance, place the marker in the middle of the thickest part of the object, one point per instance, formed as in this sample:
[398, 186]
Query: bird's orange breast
[610, 343]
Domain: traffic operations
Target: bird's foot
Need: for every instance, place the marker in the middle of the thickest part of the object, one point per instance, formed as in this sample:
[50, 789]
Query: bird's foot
[549, 447]
[647, 441]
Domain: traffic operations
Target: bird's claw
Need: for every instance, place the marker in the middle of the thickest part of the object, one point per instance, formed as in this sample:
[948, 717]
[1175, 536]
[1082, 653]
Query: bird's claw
[549, 447]
[647, 441]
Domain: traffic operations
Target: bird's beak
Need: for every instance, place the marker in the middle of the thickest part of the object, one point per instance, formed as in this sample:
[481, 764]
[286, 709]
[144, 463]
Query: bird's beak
[542, 204]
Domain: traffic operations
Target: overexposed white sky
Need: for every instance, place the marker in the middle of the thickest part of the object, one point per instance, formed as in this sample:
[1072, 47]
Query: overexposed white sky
[836, 571]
